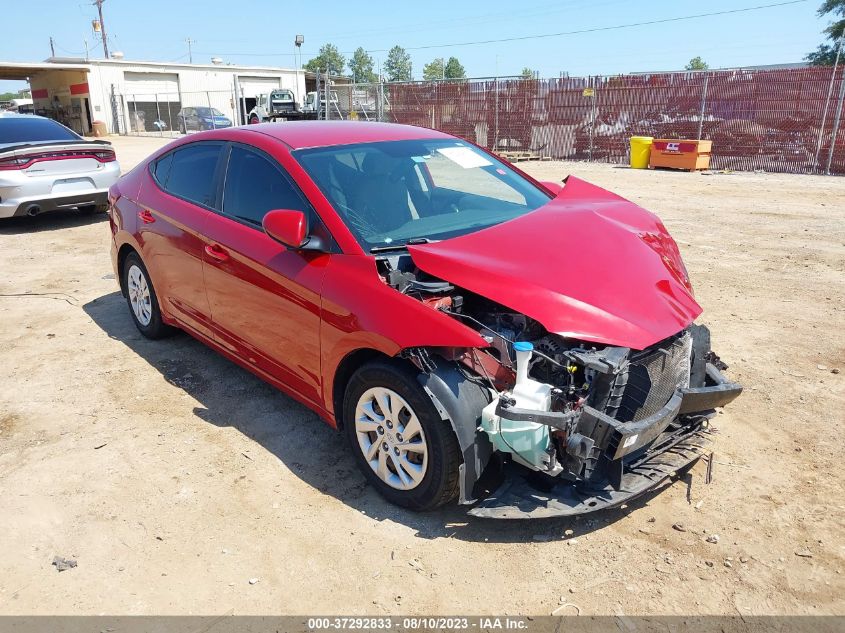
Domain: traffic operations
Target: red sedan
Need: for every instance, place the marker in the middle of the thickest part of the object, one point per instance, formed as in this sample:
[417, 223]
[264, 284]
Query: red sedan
[453, 316]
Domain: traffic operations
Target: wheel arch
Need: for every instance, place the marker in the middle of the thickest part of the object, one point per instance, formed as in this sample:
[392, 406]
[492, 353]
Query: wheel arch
[458, 400]
[123, 252]
[348, 366]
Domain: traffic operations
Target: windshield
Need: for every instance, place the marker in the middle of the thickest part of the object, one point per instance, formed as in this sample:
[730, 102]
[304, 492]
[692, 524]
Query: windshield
[31, 129]
[389, 193]
[209, 112]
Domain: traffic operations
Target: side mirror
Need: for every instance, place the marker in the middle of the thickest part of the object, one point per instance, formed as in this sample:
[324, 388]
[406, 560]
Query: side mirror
[287, 226]
[554, 187]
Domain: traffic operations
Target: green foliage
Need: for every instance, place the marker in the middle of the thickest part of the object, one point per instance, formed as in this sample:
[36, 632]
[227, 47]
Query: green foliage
[397, 67]
[528, 73]
[454, 69]
[696, 63]
[20, 94]
[328, 60]
[361, 66]
[825, 54]
[434, 70]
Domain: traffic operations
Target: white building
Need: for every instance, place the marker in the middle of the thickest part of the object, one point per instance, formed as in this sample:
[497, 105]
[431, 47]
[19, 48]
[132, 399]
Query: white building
[144, 96]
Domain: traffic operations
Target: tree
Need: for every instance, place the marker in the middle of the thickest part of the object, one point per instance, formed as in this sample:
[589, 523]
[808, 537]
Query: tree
[527, 73]
[361, 66]
[454, 69]
[397, 67]
[434, 70]
[696, 63]
[825, 54]
[328, 60]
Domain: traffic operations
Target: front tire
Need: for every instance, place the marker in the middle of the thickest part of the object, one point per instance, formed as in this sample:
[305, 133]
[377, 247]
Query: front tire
[401, 444]
[142, 300]
[253, 120]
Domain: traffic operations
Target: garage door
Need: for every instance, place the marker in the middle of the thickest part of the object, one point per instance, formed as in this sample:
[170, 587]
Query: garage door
[251, 87]
[148, 84]
[152, 102]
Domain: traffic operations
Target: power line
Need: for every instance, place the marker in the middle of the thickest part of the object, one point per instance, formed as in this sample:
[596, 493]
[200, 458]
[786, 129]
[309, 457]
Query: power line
[598, 28]
[522, 38]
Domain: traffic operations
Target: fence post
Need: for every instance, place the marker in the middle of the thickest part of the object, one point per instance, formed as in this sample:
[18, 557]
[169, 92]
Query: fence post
[496, 117]
[158, 117]
[169, 119]
[703, 105]
[210, 111]
[591, 83]
[836, 120]
[135, 121]
[827, 101]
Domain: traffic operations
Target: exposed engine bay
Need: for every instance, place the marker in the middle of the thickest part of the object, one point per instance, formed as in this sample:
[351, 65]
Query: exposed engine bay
[576, 411]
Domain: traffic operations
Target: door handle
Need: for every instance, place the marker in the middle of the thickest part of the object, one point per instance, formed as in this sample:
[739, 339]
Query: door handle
[146, 217]
[216, 253]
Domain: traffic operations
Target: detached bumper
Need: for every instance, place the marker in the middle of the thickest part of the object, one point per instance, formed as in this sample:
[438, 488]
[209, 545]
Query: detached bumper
[648, 471]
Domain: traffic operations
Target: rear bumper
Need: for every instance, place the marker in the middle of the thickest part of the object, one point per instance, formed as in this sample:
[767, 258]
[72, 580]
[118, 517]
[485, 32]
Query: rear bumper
[642, 456]
[18, 207]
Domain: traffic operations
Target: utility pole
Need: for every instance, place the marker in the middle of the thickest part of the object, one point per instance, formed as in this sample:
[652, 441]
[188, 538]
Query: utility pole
[52, 48]
[99, 4]
[190, 54]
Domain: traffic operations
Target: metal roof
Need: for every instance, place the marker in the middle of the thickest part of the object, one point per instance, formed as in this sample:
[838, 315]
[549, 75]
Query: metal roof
[24, 70]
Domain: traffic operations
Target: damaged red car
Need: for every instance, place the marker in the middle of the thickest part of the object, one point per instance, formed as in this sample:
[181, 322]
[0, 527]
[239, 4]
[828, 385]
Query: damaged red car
[524, 347]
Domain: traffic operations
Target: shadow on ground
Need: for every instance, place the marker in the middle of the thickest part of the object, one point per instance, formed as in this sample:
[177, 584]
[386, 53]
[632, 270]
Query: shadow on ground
[233, 397]
[53, 221]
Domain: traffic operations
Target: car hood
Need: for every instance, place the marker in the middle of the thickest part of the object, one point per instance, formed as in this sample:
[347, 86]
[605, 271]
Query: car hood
[588, 265]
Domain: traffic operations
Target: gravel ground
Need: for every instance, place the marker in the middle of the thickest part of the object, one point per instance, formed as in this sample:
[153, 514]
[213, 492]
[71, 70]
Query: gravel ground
[173, 478]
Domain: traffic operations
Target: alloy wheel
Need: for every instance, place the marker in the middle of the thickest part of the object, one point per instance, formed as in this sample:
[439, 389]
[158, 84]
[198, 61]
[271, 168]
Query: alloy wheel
[391, 438]
[139, 295]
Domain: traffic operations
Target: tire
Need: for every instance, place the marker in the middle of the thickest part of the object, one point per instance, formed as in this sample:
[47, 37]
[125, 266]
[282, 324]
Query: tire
[253, 120]
[142, 300]
[428, 478]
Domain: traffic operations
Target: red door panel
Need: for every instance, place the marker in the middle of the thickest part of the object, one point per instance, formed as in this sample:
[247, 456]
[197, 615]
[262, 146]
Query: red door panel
[265, 302]
[169, 234]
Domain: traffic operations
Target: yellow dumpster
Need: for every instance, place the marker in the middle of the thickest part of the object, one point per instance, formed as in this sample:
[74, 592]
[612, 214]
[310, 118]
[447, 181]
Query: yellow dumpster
[640, 151]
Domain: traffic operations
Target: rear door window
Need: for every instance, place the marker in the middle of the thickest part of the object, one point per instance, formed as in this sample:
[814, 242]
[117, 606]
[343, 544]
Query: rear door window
[190, 173]
[255, 185]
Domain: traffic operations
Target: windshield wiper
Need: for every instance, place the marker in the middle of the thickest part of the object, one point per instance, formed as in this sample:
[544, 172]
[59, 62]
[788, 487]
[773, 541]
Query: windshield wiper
[400, 247]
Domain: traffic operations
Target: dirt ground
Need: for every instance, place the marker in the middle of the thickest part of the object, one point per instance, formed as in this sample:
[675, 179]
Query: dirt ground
[174, 478]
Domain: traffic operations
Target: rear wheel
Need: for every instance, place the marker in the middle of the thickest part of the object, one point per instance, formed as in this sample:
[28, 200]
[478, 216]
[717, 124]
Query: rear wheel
[142, 300]
[402, 445]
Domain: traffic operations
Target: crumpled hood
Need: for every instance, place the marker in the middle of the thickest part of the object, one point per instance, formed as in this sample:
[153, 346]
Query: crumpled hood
[589, 265]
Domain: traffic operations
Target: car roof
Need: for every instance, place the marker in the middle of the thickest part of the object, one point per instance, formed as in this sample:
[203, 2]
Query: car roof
[301, 134]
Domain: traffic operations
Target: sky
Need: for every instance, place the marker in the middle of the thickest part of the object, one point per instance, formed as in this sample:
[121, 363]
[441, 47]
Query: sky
[262, 32]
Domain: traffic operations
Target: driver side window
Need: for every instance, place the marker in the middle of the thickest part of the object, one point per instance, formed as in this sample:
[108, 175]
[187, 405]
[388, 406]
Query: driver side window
[254, 186]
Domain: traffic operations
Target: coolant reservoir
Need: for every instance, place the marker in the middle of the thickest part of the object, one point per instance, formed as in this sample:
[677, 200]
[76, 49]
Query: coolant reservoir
[527, 441]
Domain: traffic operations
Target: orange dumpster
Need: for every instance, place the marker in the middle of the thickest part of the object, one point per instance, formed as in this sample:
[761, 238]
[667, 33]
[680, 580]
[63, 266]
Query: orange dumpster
[680, 154]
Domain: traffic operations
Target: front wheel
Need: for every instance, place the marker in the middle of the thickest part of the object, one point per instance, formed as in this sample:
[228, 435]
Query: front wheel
[142, 299]
[253, 120]
[401, 444]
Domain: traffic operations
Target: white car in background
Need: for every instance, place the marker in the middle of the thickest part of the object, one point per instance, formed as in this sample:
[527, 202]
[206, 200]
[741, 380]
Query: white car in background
[45, 166]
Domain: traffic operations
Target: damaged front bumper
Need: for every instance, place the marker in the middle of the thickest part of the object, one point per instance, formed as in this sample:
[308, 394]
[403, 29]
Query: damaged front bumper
[640, 457]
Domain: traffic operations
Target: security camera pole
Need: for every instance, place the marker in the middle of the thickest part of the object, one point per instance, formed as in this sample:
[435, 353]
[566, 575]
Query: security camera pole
[99, 4]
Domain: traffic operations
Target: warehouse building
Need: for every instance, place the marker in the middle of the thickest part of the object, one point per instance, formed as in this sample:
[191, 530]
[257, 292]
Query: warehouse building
[135, 96]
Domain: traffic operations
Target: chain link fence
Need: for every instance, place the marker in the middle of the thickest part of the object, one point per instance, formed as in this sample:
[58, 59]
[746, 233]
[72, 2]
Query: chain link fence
[172, 114]
[784, 120]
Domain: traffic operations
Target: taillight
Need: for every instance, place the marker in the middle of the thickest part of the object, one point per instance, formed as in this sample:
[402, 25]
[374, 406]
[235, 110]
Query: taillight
[105, 156]
[15, 162]
[22, 162]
